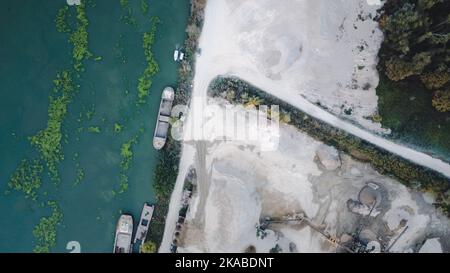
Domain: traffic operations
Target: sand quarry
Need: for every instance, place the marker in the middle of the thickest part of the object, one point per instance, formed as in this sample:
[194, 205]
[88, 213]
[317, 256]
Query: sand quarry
[304, 52]
[243, 182]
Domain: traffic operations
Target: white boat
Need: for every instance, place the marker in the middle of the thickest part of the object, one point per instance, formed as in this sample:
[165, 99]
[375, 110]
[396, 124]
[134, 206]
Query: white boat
[162, 124]
[124, 233]
[181, 56]
[144, 223]
[176, 54]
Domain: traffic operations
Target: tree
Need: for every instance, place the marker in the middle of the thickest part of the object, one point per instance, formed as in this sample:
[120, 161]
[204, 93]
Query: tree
[417, 33]
[148, 247]
[435, 80]
[398, 69]
[441, 100]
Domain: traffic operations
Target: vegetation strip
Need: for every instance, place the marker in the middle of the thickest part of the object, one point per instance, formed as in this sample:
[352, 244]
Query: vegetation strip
[61, 20]
[27, 178]
[48, 140]
[79, 38]
[414, 176]
[145, 81]
[45, 231]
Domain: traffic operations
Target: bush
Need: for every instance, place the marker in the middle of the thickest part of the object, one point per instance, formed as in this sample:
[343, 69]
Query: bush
[441, 101]
[148, 247]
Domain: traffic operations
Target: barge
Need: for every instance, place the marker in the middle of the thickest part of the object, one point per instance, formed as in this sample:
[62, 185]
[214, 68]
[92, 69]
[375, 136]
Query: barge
[162, 124]
[144, 223]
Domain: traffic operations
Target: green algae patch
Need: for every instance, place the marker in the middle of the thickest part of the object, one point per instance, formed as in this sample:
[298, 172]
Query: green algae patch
[48, 140]
[79, 38]
[118, 128]
[145, 81]
[124, 3]
[79, 175]
[144, 6]
[94, 129]
[128, 18]
[61, 20]
[126, 152]
[45, 231]
[127, 155]
[27, 178]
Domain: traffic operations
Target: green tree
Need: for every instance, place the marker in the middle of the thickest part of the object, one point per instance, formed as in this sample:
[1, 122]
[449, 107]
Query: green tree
[148, 247]
[415, 47]
[441, 100]
[435, 80]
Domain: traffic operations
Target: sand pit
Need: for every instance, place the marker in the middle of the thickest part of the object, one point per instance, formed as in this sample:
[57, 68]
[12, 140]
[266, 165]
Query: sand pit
[246, 184]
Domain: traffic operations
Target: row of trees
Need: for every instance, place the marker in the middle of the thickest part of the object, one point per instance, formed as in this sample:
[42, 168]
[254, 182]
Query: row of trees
[416, 45]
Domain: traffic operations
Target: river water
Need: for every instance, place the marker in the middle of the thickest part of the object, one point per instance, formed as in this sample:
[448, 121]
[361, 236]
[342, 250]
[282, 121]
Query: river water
[31, 53]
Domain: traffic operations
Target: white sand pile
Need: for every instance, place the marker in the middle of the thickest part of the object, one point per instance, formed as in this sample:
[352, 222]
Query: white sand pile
[323, 50]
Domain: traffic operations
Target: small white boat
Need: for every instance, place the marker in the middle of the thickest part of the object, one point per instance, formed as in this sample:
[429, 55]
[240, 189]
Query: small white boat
[181, 56]
[144, 223]
[162, 124]
[176, 54]
[124, 233]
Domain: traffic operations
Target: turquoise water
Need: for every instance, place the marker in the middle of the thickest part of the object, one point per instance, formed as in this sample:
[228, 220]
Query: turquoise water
[31, 53]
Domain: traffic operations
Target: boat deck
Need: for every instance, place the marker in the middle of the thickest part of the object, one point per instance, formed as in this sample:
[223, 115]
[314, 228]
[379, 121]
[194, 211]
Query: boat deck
[162, 124]
[161, 130]
[124, 233]
[144, 223]
[166, 107]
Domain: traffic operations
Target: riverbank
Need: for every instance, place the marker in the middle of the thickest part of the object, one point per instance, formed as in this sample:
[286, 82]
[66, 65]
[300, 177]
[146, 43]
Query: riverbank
[169, 157]
[411, 175]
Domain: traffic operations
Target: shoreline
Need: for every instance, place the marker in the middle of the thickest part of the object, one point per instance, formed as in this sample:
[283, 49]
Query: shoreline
[168, 166]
